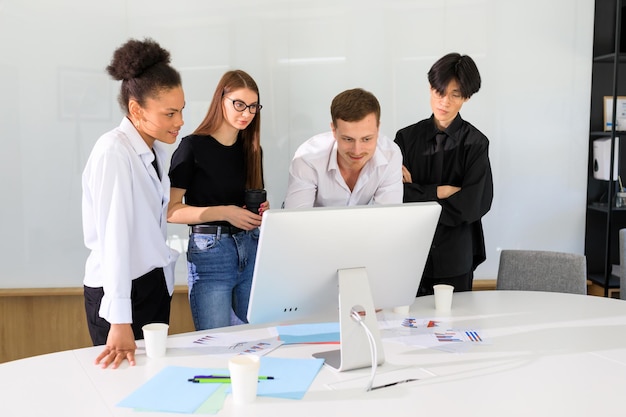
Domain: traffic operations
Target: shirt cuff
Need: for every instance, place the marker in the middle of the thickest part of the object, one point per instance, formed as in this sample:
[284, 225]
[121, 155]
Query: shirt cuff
[116, 310]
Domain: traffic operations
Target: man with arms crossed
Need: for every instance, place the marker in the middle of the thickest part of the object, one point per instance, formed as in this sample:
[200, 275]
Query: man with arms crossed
[350, 165]
[446, 159]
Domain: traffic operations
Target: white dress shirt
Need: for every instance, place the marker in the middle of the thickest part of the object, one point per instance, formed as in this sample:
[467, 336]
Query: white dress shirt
[315, 179]
[124, 218]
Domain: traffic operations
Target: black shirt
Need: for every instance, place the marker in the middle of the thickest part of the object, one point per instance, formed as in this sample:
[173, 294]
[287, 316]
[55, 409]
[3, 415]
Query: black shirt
[459, 245]
[212, 174]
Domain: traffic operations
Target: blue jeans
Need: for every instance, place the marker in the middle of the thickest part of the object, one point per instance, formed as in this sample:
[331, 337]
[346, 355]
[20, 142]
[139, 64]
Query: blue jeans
[220, 268]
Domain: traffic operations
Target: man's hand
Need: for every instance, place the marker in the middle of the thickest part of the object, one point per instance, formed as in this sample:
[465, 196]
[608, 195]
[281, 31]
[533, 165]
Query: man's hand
[120, 345]
[406, 175]
[445, 191]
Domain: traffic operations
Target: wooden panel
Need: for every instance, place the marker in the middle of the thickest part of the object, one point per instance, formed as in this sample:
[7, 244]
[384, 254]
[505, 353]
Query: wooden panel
[38, 321]
[36, 325]
[180, 315]
[484, 284]
[35, 322]
[598, 290]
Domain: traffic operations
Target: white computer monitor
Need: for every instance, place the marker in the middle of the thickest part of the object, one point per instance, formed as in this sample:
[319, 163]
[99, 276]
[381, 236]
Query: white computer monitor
[301, 253]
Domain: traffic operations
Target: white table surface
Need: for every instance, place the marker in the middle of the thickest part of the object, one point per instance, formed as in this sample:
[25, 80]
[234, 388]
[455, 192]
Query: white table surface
[549, 354]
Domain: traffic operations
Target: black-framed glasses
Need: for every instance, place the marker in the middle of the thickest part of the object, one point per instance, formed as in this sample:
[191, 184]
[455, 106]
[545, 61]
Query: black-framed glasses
[240, 106]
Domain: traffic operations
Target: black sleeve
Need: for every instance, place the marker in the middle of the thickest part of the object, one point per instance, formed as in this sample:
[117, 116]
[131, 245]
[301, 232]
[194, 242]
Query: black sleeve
[182, 166]
[413, 191]
[474, 199]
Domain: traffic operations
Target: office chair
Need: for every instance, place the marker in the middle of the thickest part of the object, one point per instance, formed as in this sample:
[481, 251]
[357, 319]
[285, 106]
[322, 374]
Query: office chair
[532, 270]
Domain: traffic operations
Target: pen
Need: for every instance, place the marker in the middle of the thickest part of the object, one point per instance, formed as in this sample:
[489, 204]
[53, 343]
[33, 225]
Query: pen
[210, 380]
[225, 377]
[394, 383]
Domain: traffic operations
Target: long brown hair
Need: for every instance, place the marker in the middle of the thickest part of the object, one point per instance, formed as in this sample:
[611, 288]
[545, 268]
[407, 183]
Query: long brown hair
[231, 81]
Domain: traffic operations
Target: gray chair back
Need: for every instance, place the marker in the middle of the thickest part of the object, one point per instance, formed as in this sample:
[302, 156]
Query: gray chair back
[532, 270]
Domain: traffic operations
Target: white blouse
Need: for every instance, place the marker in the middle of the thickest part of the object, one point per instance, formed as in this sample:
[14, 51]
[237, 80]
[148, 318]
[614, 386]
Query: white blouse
[124, 218]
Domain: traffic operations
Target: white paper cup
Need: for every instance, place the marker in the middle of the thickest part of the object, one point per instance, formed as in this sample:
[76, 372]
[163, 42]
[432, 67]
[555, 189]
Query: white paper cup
[443, 297]
[402, 310]
[155, 338]
[244, 377]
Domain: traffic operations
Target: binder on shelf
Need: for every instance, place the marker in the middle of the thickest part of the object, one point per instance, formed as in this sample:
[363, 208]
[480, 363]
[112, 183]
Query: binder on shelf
[620, 118]
[602, 158]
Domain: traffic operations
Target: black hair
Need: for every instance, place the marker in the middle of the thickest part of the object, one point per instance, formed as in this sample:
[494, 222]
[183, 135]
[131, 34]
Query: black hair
[144, 69]
[455, 66]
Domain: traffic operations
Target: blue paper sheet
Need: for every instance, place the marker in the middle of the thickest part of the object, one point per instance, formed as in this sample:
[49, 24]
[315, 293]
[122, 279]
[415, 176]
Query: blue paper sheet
[309, 333]
[170, 391]
[292, 377]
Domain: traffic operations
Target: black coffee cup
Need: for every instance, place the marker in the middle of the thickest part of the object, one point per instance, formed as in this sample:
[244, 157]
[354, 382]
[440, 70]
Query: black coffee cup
[253, 199]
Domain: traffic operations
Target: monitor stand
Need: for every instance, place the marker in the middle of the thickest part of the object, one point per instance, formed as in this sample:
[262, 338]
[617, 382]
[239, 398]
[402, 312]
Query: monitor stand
[354, 352]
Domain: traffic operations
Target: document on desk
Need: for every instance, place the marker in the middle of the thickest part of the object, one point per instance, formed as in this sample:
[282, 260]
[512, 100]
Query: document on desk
[225, 343]
[309, 333]
[452, 340]
[432, 333]
[292, 376]
[171, 390]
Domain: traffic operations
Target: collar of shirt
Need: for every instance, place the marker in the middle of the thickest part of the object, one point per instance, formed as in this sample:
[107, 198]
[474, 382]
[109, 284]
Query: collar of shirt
[142, 149]
[369, 169]
[452, 131]
[136, 141]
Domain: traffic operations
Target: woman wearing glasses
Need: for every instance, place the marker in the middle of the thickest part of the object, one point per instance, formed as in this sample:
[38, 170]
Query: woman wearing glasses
[211, 169]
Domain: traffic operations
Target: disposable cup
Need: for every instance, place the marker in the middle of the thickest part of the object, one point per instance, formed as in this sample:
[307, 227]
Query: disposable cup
[155, 338]
[402, 310]
[443, 297]
[244, 377]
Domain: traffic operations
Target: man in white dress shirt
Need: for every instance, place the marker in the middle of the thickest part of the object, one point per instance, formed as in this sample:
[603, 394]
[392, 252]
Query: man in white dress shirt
[350, 165]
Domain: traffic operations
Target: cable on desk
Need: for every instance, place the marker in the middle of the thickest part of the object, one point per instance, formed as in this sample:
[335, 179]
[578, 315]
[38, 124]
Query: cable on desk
[373, 349]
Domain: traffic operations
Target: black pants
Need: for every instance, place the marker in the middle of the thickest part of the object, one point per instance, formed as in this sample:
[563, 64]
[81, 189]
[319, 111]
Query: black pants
[460, 282]
[150, 302]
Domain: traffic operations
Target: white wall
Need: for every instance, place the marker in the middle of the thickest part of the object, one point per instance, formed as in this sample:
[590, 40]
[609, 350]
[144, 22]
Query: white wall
[56, 99]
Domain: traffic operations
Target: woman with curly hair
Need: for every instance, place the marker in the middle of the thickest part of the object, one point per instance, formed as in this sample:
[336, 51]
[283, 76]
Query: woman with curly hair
[129, 274]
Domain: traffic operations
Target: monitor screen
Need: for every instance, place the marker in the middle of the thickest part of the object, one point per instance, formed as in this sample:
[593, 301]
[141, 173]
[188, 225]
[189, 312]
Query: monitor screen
[301, 251]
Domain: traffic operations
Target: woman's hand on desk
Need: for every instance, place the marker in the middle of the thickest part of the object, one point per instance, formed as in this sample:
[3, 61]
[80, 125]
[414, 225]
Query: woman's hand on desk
[120, 345]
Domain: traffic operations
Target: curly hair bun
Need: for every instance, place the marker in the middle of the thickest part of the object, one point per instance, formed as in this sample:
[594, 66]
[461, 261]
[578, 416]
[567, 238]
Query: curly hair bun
[134, 57]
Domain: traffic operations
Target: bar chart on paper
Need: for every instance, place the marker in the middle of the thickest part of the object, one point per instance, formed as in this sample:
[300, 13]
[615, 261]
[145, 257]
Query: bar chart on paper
[459, 336]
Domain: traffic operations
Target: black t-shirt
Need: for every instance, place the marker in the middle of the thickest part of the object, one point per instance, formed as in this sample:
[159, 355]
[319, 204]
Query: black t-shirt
[212, 174]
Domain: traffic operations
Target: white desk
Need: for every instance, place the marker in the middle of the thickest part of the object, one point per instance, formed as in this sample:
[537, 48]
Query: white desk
[550, 355]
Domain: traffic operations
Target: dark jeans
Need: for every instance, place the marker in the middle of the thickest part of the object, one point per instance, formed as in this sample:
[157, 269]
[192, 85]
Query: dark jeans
[460, 283]
[150, 304]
